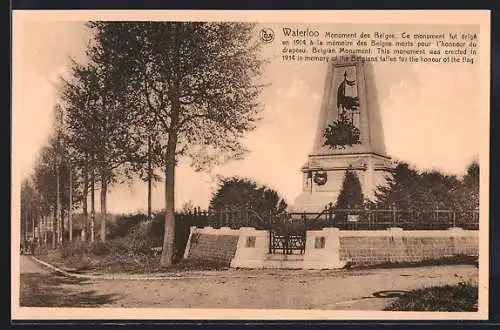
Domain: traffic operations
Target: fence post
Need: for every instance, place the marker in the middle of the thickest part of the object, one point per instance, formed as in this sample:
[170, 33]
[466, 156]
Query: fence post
[226, 215]
[247, 215]
[200, 218]
[437, 216]
[394, 214]
[476, 217]
[330, 214]
[454, 215]
[270, 231]
[367, 215]
[328, 217]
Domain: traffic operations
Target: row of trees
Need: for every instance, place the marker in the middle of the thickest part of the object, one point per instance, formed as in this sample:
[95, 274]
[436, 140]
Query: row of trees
[408, 187]
[149, 93]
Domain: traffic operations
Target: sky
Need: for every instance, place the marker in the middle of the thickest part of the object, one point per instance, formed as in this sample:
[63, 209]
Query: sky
[430, 116]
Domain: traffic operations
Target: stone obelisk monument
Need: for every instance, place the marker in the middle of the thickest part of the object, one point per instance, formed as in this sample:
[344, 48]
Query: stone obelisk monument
[349, 136]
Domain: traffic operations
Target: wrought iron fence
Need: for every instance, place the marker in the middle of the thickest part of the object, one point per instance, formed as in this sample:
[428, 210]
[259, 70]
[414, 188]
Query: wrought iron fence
[380, 219]
[345, 219]
[227, 218]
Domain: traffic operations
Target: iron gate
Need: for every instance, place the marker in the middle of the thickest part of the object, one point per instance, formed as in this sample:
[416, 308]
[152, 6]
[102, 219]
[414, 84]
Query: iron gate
[287, 235]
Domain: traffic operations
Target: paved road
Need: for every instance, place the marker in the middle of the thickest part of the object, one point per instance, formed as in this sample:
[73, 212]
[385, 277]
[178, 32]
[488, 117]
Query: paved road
[30, 267]
[345, 290]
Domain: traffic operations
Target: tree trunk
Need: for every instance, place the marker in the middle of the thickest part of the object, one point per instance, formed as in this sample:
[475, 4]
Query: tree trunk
[84, 201]
[44, 231]
[41, 229]
[58, 208]
[168, 238]
[26, 227]
[61, 228]
[104, 190]
[92, 204]
[70, 207]
[33, 224]
[150, 177]
[169, 234]
[54, 228]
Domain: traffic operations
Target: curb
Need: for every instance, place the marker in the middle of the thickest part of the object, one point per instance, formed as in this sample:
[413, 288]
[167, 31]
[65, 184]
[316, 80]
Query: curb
[132, 277]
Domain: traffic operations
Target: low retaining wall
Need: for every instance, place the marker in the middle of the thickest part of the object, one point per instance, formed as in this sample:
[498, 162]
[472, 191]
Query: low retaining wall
[218, 245]
[397, 245]
[330, 248]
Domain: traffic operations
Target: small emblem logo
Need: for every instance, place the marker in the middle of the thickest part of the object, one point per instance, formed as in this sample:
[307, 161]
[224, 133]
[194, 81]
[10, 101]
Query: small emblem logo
[267, 35]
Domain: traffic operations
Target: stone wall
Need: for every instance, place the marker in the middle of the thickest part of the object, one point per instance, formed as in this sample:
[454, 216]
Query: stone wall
[396, 245]
[331, 248]
[217, 245]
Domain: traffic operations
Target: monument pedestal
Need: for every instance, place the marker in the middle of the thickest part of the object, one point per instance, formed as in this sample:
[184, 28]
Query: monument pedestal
[371, 169]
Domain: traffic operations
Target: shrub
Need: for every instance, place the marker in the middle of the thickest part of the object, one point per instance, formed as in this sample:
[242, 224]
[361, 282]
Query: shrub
[118, 246]
[124, 224]
[351, 195]
[131, 250]
[99, 248]
[462, 297]
[75, 249]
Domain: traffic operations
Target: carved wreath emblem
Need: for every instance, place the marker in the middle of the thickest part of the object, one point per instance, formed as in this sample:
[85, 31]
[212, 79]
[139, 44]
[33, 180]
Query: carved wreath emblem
[320, 178]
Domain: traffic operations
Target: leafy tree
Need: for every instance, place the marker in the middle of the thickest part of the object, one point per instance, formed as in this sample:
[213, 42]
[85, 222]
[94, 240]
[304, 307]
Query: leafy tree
[409, 188]
[469, 189]
[81, 133]
[51, 179]
[100, 123]
[197, 80]
[437, 190]
[239, 193]
[30, 208]
[351, 195]
[401, 187]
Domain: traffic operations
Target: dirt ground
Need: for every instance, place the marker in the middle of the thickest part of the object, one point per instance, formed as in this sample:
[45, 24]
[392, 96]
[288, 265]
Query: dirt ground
[253, 289]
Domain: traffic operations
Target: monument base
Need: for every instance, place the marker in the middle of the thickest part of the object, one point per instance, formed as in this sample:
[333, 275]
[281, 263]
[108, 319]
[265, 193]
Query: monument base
[371, 169]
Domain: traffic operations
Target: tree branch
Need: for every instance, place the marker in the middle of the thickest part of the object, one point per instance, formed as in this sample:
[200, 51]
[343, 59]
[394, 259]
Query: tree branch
[153, 108]
[190, 118]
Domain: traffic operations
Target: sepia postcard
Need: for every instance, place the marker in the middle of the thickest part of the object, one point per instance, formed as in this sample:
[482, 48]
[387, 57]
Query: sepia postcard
[250, 165]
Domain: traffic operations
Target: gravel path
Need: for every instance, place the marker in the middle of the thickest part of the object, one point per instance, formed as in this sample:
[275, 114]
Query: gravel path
[354, 290]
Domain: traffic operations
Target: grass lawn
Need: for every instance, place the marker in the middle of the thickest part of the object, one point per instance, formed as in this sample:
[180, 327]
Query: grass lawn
[449, 298]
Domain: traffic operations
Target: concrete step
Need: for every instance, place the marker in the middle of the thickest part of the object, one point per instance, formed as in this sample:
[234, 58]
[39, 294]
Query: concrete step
[284, 257]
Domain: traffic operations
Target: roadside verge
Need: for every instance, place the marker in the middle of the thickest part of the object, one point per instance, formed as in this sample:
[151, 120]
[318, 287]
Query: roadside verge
[138, 277]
